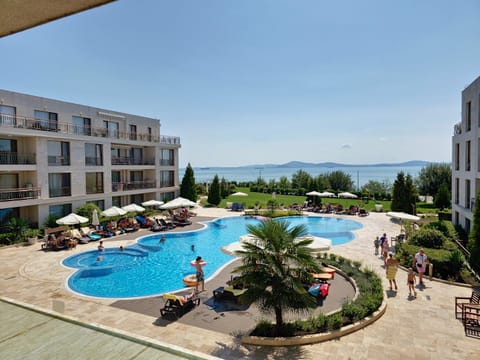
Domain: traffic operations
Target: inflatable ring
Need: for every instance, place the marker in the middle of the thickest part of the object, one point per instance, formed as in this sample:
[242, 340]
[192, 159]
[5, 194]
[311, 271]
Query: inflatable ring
[194, 263]
[190, 280]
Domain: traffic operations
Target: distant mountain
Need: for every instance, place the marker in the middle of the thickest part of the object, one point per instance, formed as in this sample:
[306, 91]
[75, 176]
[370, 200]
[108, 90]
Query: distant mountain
[300, 164]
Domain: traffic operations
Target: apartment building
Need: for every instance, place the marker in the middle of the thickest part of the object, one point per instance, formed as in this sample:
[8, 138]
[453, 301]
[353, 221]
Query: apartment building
[56, 156]
[466, 158]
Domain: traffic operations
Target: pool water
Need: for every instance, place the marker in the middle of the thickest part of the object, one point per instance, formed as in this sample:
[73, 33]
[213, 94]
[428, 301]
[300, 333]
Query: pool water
[151, 267]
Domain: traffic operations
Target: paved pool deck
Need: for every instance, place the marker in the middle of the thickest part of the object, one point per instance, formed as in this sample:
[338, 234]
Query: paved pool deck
[421, 328]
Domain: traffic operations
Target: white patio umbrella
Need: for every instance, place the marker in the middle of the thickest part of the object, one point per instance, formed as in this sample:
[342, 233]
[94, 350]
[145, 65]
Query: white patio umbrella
[152, 203]
[113, 211]
[95, 221]
[178, 203]
[318, 243]
[133, 208]
[403, 216]
[313, 193]
[72, 219]
[326, 194]
[347, 195]
[239, 193]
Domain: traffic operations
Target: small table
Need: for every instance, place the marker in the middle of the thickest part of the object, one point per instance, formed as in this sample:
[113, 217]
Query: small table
[323, 276]
[218, 292]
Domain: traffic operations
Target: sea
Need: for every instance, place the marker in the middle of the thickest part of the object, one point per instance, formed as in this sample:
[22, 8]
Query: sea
[360, 175]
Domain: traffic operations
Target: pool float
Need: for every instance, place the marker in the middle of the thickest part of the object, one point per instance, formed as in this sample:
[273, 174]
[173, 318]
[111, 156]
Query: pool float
[194, 263]
[190, 280]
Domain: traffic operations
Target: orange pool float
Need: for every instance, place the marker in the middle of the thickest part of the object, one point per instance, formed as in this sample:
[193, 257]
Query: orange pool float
[190, 280]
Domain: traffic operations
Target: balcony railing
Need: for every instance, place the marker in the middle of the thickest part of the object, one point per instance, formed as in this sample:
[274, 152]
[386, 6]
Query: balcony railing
[132, 185]
[165, 184]
[457, 129]
[58, 160]
[94, 190]
[126, 160]
[59, 192]
[19, 194]
[16, 121]
[167, 162]
[15, 158]
[93, 161]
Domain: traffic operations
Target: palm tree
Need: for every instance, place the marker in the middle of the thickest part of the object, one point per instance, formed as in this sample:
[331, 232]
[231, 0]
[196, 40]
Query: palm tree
[275, 266]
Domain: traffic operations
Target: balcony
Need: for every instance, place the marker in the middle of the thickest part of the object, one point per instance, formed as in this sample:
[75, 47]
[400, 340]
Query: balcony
[24, 122]
[15, 158]
[132, 185]
[457, 129]
[58, 160]
[167, 162]
[126, 160]
[93, 161]
[61, 191]
[19, 194]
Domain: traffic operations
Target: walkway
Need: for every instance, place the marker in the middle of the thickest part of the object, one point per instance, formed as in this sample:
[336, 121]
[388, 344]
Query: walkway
[424, 328]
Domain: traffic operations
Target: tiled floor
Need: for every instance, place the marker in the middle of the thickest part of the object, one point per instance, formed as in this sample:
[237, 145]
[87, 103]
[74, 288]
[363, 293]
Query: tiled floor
[421, 328]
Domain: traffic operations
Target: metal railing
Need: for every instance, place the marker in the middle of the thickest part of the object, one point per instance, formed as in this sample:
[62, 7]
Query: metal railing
[15, 158]
[93, 161]
[132, 185]
[58, 160]
[19, 194]
[17, 121]
[126, 160]
[167, 162]
[59, 192]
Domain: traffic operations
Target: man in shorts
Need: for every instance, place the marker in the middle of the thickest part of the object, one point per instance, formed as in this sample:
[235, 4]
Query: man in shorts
[420, 263]
[200, 275]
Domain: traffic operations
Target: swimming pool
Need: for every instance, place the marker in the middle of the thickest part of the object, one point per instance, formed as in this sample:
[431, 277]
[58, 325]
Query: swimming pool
[150, 267]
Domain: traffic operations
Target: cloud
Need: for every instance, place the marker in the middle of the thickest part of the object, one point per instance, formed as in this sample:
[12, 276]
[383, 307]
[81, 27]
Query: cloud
[346, 146]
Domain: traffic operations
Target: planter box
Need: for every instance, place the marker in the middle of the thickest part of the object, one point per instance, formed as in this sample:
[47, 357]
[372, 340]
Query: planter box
[378, 207]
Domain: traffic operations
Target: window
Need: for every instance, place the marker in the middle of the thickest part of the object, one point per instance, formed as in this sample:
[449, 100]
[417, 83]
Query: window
[467, 156]
[117, 201]
[467, 225]
[60, 210]
[136, 176]
[136, 199]
[468, 111]
[8, 151]
[59, 184]
[167, 157]
[94, 154]
[457, 190]
[457, 218]
[116, 185]
[136, 156]
[45, 120]
[58, 153]
[167, 179]
[8, 181]
[467, 194]
[457, 156]
[133, 132]
[94, 183]
[6, 215]
[7, 115]
[149, 134]
[82, 125]
[112, 128]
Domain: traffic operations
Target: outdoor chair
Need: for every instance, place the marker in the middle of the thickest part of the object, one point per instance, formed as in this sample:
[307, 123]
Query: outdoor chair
[471, 320]
[460, 302]
[175, 305]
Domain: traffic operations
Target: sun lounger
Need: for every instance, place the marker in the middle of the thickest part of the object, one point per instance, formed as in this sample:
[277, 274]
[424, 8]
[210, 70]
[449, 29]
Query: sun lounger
[176, 306]
[86, 231]
[81, 239]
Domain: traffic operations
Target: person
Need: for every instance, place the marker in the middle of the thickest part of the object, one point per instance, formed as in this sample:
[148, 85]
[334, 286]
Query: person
[99, 258]
[392, 267]
[192, 247]
[420, 261]
[376, 243]
[100, 246]
[383, 238]
[121, 248]
[200, 275]
[186, 298]
[385, 249]
[162, 239]
[411, 279]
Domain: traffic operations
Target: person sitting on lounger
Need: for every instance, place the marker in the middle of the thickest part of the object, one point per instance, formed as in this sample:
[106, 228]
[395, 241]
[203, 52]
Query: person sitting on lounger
[186, 298]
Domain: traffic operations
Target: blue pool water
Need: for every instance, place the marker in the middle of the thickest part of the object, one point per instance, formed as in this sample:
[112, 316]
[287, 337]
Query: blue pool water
[150, 267]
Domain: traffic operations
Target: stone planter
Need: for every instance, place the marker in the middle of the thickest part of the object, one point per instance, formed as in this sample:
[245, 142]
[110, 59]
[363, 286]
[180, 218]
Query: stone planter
[378, 207]
[32, 240]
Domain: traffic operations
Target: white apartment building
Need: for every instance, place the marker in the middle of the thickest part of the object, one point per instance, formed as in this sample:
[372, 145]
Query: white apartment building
[466, 158]
[56, 156]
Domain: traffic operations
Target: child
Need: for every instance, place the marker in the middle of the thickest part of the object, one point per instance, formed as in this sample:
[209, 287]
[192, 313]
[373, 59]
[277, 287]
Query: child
[385, 249]
[411, 280]
[376, 243]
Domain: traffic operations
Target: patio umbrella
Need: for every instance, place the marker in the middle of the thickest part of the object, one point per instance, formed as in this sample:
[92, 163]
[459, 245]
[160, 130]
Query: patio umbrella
[347, 195]
[113, 211]
[402, 216]
[313, 193]
[318, 243]
[72, 219]
[239, 193]
[152, 203]
[133, 208]
[178, 203]
[95, 221]
[326, 194]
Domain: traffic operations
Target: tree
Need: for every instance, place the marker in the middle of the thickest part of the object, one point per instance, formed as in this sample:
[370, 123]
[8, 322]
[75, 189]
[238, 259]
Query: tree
[274, 267]
[340, 180]
[432, 176]
[322, 182]
[377, 189]
[474, 237]
[404, 194]
[301, 179]
[214, 192]
[188, 189]
[86, 210]
[224, 188]
[442, 199]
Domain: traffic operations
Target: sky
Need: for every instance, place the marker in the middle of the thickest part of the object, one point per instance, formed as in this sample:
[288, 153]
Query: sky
[265, 81]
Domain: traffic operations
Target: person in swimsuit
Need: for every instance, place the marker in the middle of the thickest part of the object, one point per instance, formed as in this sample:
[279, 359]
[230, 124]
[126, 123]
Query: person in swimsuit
[411, 280]
[200, 275]
[392, 267]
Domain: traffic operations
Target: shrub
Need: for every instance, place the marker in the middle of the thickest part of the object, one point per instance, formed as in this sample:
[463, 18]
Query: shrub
[335, 321]
[353, 311]
[428, 237]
